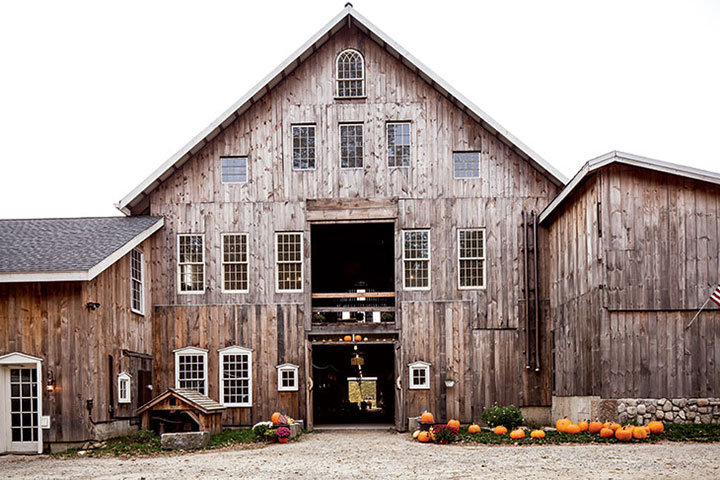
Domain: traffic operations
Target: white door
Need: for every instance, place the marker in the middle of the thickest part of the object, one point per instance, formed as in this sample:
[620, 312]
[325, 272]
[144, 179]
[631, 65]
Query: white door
[23, 409]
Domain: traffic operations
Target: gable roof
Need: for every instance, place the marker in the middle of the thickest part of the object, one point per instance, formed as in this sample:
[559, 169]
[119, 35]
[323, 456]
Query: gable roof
[627, 159]
[193, 398]
[347, 16]
[67, 249]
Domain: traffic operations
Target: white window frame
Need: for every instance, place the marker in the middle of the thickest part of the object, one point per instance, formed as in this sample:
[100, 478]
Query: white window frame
[302, 263]
[247, 169]
[141, 281]
[479, 153]
[234, 350]
[387, 142]
[223, 262]
[362, 130]
[483, 258]
[419, 365]
[191, 351]
[292, 146]
[127, 397]
[179, 274]
[288, 367]
[429, 258]
[361, 78]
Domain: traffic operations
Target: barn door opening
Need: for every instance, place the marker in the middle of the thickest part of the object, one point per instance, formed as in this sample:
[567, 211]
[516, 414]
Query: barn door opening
[353, 384]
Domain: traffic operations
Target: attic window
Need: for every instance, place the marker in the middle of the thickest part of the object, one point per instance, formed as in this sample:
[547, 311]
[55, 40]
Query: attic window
[350, 71]
[467, 164]
[234, 169]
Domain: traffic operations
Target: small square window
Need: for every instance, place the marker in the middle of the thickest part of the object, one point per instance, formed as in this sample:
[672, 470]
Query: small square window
[419, 376]
[466, 164]
[234, 169]
[287, 377]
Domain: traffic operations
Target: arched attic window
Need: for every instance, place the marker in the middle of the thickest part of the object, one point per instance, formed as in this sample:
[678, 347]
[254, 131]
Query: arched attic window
[350, 74]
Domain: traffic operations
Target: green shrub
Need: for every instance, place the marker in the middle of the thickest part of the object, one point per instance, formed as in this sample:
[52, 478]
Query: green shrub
[509, 417]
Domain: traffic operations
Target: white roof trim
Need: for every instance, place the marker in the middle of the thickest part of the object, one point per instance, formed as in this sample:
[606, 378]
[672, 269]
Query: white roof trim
[301, 54]
[82, 275]
[18, 358]
[628, 159]
[235, 348]
[288, 365]
[190, 349]
[419, 363]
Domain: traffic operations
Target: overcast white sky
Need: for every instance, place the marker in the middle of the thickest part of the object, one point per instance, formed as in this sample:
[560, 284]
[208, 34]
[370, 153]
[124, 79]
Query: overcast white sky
[95, 95]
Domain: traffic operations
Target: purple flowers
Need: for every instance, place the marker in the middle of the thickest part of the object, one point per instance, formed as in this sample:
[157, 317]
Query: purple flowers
[283, 432]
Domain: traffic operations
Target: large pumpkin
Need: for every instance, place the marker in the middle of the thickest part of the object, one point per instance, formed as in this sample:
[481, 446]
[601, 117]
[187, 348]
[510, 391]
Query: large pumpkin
[424, 437]
[573, 428]
[562, 423]
[537, 434]
[358, 338]
[347, 338]
[583, 426]
[427, 417]
[454, 423]
[656, 427]
[623, 434]
[474, 428]
[614, 426]
[595, 427]
[606, 432]
[276, 418]
[499, 430]
[517, 434]
[639, 433]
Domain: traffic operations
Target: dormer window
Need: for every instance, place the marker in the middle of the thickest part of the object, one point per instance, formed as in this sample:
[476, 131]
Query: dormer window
[350, 74]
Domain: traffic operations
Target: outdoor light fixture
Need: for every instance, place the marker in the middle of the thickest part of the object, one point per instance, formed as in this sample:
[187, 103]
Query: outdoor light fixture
[50, 382]
[92, 305]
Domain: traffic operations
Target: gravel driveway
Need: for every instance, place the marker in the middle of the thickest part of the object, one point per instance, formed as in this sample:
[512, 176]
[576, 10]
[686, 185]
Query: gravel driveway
[369, 454]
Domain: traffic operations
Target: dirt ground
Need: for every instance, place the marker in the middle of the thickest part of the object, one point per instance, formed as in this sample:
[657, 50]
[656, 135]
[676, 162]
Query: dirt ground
[373, 454]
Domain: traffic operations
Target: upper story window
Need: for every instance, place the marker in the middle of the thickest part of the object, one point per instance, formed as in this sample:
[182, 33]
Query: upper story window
[466, 164]
[236, 376]
[398, 144]
[234, 169]
[350, 71]
[471, 258]
[191, 369]
[137, 274]
[123, 388]
[235, 262]
[289, 261]
[191, 263]
[416, 259]
[303, 147]
[351, 145]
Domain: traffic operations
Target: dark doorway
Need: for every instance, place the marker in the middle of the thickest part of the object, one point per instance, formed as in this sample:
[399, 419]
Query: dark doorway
[353, 385]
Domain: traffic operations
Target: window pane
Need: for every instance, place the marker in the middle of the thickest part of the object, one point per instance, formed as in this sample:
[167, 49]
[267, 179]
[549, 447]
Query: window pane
[137, 293]
[467, 164]
[351, 146]
[236, 377]
[235, 262]
[190, 263]
[233, 169]
[398, 144]
[350, 74]
[303, 148]
[191, 372]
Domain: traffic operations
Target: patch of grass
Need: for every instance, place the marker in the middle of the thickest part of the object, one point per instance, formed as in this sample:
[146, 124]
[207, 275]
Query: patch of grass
[231, 437]
[693, 433]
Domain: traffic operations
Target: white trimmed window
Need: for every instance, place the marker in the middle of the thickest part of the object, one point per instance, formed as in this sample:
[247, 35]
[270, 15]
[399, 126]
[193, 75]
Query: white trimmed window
[236, 376]
[416, 259]
[191, 369]
[351, 145]
[233, 169]
[287, 377]
[137, 279]
[350, 72]
[191, 263]
[235, 262]
[466, 164]
[471, 258]
[419, 376]
[303, 147]
[123, 388]
[398, 144]
[289, 262]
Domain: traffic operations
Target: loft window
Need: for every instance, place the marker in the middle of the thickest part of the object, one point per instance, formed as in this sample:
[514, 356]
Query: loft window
[350, 71]
[123, 388]
[287, 377]
[351, 145]
[235, 262]
[191, 263]
[471, 258]
[236, 376]
[303, 147]
[234, 169]
[191, 369]
[289, 261]
[416, 259]
[466, 164]
[419, 376]
[398, 144]
[137, 274]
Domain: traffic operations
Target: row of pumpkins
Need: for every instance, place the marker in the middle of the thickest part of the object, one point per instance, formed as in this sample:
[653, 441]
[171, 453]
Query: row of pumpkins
[610, 429]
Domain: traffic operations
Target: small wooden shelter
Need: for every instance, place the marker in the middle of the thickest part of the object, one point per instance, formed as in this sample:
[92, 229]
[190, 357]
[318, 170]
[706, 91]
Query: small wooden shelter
[173, 410]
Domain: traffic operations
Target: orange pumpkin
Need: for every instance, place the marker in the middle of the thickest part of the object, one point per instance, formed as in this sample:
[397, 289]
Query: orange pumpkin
[358, 338]
[474, 428]
[427, 417]
[623, 434]
[595, 427]
[606, 432]
[276, 418]
[499, 430]
[639, 433]
[562, 423]
[517, 434]
[454, 423]
[347, 338]
[614, 426]
[537, 434]
[583, 426]
[573, 428]
[424, 437]
[656, 427]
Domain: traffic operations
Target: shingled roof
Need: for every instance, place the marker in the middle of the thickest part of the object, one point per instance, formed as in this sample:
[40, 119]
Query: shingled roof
[193, 398]
[62, 249]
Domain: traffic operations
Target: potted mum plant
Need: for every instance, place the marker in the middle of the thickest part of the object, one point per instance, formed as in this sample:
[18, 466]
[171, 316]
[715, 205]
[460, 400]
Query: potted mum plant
[283, 434]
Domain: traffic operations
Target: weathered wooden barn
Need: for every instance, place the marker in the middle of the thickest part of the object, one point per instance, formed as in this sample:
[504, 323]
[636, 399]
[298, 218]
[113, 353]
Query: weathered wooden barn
[354, 241]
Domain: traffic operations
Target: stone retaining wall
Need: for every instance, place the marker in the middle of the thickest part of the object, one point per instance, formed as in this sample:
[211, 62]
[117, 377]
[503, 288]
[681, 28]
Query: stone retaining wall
[673, 410]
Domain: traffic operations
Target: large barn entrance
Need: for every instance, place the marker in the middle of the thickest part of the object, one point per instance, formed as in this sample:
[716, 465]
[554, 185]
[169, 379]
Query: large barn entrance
[354, 383]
